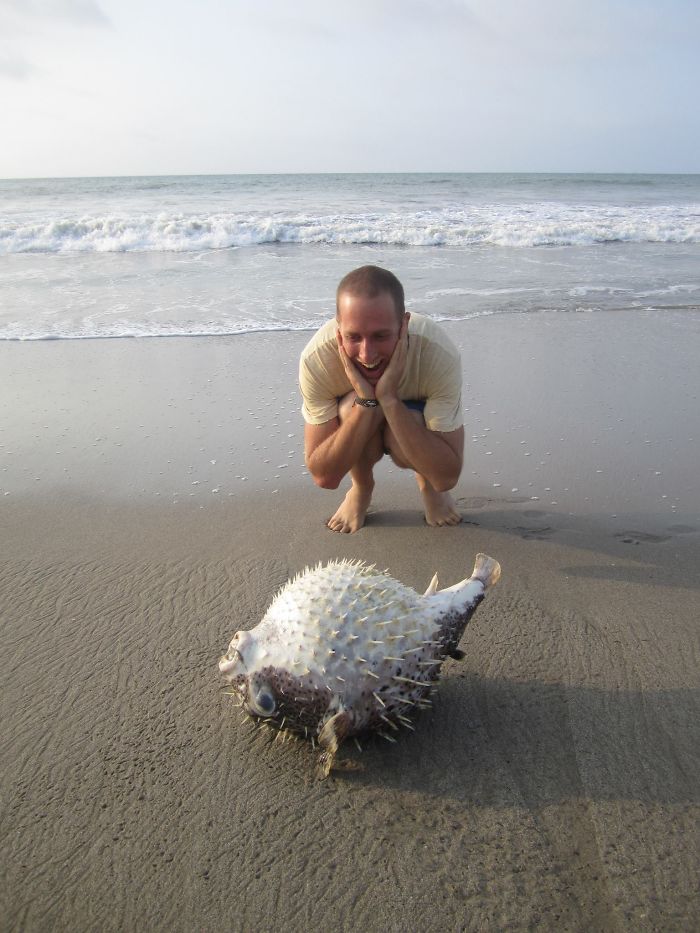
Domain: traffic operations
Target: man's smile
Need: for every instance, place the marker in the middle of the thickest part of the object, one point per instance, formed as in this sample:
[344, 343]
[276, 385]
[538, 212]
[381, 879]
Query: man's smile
[372, 371]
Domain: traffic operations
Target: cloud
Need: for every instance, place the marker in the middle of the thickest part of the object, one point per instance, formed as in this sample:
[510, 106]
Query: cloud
[432, 13]
[16, 69]
[73, 12]
[22, 21]
[383, 19]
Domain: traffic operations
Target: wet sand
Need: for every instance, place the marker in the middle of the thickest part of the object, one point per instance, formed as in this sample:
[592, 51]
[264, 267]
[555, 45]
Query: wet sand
[156, 499]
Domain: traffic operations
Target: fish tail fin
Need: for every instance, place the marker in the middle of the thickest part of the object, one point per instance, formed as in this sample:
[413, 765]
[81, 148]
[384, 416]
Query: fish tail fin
[486, 569]
[487, 572]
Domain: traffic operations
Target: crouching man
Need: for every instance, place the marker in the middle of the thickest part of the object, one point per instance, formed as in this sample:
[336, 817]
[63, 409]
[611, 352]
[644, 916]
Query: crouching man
[378, 380]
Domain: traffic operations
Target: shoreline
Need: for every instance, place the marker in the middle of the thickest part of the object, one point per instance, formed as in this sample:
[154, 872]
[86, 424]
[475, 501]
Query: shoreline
[553, 785]
[576, 414]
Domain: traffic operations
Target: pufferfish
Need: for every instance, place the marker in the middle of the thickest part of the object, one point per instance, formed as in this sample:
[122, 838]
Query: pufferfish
[345, 649]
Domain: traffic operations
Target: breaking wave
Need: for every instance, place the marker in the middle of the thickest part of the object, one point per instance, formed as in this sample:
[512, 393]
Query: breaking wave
[499, 225]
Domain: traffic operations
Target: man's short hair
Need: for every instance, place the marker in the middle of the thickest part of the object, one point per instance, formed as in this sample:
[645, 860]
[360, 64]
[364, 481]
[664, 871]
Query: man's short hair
[370, 281]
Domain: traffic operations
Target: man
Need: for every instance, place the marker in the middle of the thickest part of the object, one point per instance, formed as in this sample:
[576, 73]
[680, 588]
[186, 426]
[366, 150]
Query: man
[379, 380]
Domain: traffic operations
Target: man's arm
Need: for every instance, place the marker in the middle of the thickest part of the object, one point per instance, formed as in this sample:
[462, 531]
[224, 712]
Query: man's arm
[437, 456]
[331, 449]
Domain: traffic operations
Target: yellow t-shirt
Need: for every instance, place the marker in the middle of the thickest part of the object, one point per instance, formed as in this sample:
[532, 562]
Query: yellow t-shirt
[433, 374]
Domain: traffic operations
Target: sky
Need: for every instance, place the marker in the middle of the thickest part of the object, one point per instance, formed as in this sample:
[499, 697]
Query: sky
[159, 87]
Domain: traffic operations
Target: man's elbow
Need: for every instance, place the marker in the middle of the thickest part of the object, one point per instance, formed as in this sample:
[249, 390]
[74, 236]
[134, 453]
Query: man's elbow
[447, 481]
[322, 477]
[444, 485]
[326, 480]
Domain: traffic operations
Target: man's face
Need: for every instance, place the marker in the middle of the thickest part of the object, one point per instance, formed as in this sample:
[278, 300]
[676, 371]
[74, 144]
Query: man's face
[369, 330]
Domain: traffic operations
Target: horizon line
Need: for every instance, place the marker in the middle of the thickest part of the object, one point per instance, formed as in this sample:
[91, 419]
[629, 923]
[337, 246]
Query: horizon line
[342, 173]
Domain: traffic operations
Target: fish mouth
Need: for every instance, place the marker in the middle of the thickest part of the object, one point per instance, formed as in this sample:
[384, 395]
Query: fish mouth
[230, 662]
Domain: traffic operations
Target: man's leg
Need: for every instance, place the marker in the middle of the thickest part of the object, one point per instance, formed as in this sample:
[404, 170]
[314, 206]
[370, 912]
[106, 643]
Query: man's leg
[440, 508]
[350, 517]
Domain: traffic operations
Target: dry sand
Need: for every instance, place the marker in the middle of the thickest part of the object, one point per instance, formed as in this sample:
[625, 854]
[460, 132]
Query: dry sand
[155, 502]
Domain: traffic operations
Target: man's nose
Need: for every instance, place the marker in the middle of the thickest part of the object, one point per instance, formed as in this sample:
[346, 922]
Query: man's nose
[367, 351]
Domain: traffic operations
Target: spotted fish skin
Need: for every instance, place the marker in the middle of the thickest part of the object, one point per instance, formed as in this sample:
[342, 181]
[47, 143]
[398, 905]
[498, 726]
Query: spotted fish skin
[345, 649]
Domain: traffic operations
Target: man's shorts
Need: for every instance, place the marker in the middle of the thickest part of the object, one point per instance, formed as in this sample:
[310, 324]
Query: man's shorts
[414, 404]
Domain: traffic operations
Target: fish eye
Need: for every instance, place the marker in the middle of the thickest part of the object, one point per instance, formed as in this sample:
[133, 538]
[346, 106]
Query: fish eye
[265, 702]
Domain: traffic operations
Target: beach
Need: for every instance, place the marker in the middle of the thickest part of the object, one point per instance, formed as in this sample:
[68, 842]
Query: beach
[154, 499]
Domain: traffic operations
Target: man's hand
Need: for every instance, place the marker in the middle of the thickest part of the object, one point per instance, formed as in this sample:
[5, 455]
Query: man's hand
[388, 386]
[362, 388]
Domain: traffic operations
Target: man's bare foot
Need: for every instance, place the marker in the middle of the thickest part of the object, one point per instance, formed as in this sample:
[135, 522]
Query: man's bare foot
[350, 517]
[440, 508]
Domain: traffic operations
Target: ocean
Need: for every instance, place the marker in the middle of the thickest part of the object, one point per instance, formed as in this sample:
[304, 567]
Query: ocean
[207, 255]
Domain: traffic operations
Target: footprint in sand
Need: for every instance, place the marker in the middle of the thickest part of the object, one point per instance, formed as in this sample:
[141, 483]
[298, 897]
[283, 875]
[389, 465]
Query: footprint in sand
[641, 537]
[478, 502]
[539, 533]
[473, 502]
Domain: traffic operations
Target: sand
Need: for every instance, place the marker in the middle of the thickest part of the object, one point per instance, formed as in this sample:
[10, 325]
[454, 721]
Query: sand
[153, 497]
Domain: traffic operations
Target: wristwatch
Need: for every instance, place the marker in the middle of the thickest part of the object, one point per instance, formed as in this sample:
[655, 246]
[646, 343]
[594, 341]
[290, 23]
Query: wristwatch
[366, 402]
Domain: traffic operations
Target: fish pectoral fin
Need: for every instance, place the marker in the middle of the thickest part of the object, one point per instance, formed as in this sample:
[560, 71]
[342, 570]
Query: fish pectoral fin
[331, 737]
[432, 586]
[456, 653]
[347, 764]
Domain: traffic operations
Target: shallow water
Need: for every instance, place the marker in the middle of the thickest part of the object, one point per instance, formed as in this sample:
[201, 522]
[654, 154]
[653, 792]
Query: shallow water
[231, 254]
